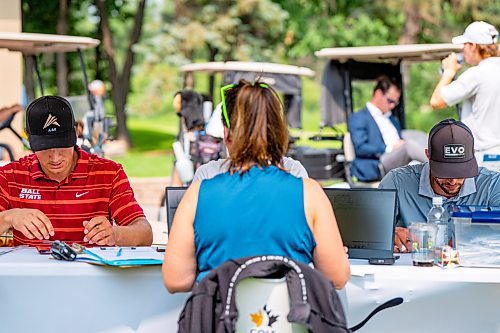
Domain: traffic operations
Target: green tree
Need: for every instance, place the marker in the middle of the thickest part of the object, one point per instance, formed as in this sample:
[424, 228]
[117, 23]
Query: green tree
[120, 78]
[190, 30]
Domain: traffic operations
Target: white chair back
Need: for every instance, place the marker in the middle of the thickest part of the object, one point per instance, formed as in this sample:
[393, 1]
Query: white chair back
[263, 306]
[349, 153]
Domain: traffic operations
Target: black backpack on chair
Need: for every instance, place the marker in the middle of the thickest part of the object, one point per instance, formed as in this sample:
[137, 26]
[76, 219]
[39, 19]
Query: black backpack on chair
[314, 302]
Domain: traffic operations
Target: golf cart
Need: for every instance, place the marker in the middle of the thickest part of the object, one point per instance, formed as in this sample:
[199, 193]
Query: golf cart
[348, 64]
[31, 45]
[285, 79]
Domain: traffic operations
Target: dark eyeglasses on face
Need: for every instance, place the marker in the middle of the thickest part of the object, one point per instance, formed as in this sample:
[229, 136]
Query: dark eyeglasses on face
[391, 101]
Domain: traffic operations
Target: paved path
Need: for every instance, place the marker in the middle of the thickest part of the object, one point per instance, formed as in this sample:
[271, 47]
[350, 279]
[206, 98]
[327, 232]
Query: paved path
[149, 192]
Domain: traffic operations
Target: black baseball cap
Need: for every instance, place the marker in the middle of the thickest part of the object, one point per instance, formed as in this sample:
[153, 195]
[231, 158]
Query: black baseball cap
[50, 123]
[451, 150]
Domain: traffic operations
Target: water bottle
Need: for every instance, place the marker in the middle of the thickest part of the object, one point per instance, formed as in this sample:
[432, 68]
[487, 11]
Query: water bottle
[460, 60]
[438, 216]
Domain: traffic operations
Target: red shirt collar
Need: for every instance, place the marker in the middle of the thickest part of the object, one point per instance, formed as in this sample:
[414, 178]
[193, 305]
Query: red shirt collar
[80, 171]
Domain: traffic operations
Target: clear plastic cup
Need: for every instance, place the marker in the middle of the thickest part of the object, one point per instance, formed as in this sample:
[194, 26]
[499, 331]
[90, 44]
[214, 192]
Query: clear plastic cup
[423, 239]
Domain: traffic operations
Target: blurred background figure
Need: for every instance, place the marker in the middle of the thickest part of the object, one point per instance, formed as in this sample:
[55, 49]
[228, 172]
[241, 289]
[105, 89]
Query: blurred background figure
[377, 137]
[194, 146]
[95, 128]
[478, 88]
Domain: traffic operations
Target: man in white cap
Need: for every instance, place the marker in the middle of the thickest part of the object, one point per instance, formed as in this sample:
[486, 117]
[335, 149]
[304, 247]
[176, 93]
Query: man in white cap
[478, 88]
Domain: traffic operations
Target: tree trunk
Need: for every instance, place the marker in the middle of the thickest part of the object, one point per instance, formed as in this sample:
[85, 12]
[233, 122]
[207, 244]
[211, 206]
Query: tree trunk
[99, 75]
[211, 77]
[120, 80]
[62, 65]
[410, 31]
[29, 83]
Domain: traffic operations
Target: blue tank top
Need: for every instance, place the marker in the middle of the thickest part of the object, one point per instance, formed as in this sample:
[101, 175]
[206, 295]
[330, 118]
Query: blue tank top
[259, 213]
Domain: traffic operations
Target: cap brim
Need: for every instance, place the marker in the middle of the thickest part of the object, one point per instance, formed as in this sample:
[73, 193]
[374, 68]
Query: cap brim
[449, 170]
[61, 140]
[459, 40]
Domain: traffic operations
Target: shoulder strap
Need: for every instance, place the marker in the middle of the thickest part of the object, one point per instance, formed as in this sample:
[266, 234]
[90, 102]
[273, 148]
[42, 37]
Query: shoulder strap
[264, 266]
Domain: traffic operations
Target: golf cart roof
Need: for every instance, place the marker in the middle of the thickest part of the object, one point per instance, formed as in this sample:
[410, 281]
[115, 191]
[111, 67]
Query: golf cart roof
[241, 66]
[29, 43]
[390, 53]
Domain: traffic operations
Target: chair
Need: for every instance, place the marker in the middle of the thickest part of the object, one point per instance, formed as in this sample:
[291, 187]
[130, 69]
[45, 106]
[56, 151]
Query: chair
[349, 156]
[264, 304]
[254, 294]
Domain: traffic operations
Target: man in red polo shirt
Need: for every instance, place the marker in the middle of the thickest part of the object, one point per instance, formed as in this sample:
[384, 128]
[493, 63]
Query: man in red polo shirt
[63, 193]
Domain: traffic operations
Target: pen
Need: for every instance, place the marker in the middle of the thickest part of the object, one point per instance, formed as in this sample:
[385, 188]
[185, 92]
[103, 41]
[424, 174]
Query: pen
[119, 253]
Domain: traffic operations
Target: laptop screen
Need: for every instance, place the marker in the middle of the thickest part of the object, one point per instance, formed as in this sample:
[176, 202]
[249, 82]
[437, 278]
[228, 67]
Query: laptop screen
[366, 220]
[173, 197]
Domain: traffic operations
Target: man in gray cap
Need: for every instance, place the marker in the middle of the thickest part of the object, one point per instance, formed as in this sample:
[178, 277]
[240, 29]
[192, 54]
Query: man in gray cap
[478, 88]
[452, 173]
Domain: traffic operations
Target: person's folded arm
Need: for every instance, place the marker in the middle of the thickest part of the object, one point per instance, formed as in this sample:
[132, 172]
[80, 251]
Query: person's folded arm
[329, 255]
[359, 137]
[180, 265]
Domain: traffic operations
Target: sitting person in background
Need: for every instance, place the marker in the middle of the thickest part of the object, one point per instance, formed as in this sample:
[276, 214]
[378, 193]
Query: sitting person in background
[256, 207]
[452, 173]
[376, 135]
[60, 192]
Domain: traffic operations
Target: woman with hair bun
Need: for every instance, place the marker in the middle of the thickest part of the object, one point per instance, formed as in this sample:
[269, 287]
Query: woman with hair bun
[257, 207]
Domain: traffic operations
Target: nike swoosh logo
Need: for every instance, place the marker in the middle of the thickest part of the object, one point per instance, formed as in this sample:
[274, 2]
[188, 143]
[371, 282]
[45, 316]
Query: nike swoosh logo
[80, 194]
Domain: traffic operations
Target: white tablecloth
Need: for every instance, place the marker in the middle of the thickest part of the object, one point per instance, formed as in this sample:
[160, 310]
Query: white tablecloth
[39, 294]
[435, 299]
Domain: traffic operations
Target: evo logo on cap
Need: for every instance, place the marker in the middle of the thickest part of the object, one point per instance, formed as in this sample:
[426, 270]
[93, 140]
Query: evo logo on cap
[454, 151]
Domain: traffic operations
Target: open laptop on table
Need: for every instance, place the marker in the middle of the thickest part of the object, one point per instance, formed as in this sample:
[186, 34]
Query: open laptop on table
[173, 197]
[366, 220]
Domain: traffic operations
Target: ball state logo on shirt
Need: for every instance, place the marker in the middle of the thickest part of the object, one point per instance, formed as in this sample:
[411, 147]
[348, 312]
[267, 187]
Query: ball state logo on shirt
[30, 194]
[263, 320]
[51, 120]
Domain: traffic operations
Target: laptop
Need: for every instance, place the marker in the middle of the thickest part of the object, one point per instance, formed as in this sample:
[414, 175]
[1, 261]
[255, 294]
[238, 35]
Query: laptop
[173, 196]
[366, 218]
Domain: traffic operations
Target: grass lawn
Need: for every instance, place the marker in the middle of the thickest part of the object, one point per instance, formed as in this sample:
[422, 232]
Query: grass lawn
[152, 154]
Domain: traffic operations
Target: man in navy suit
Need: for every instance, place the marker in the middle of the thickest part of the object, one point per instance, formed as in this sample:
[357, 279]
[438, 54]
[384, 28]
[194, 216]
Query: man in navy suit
[376, 135]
